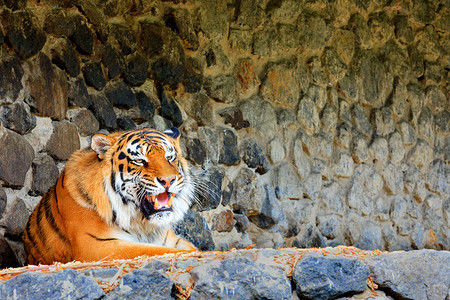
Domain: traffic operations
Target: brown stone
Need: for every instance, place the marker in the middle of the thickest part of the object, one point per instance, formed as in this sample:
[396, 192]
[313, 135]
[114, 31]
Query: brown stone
[247, 78]
[47, 87]
[224, 221]
[64, 140]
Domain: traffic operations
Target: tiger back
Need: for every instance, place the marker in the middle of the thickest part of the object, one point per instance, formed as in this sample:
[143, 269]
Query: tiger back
[116, 199]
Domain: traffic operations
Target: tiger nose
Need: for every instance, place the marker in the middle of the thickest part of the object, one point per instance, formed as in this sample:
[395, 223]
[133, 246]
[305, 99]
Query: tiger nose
[166, 181]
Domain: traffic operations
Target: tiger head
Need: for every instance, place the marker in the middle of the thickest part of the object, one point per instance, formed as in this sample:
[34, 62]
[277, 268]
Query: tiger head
[149, 180]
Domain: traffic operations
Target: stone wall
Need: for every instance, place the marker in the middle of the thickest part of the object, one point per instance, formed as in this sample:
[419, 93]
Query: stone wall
[321, 123]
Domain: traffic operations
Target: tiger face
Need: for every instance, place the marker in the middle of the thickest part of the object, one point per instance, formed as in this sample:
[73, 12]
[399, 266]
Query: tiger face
[149, 180]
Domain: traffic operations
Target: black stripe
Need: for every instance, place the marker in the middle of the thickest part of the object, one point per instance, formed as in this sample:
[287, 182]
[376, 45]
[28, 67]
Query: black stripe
[62, 179]
[100, 239]
[41, 234]
[177, 242]
[56, 200]
[51, 219]
[32, 239]
[114, 217]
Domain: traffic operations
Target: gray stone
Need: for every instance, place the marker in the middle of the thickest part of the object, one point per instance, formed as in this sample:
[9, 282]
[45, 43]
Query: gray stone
[359, 149]
[261, 116]
[210, 190]
[15, 158]
[85, 120]
[280, 84]
[374, 78]
[242, 222]
[309, 237]
[47, 86]
[357, 198]
[239, 278]
[383, 121]
[288, 36]
[378, 149]
[333, 64]
[17, 217]
[229, 151]
[83, 37]
[344, 135]
[329, 225]
[169, 108]
[436, 98]
[184, 26]
[17, 117]
[343, 165]
[381, 208]
[316, 72]
[393, 273]
[59, 23]
[113, 60]
[254, 156]
[428, 43]
[195, 151]
[240, 39]
[308, 115]
[348, 85]
[393, 178]
[7, 257]
[3, 201]
[360, 120]
[200, 108]
[421, 154]
[370, 178]
[136, 69]
[333, 195]
[221, 88]
[195, 229]
[286, 116]
[398, 98]
[45, 173]
[396, 148]
[286, 182]
[271, 212]
[157, 286]
[442, 121]
[208, 138]
[425, 124]
[312, 30]
[296, 213]
[399, 210]
[247, 196]
[11, 81]
[407, 132]
[312, 185]
[63, 141]
[328, 118]
[263, 40]
[213, 18]
[276, 151]
[58, 285]
[77, 92]
[437, 178]
[325, 277]
[370, 237]
[234, 117]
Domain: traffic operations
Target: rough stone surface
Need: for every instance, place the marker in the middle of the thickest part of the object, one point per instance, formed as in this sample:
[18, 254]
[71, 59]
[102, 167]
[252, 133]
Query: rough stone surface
[120, 95]
[64, 284]
[7, 258]
[10, 81]
[24, 34]
[320, 277]
[392, 272]
[239, 278]
[47, 87]
[209, 198]
[195, 229]
[102, 110]
[254, 157]
[45, 173]
[248, 199]
[85, 120]
[65, 57]
[229, 151]
[15, 158]
[15, 222]
[93, 75]
[17, 117]
[64, 140]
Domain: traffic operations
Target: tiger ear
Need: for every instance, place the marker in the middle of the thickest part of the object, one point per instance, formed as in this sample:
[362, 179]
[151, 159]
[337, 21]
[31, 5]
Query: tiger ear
[100, 143]
[173, 133]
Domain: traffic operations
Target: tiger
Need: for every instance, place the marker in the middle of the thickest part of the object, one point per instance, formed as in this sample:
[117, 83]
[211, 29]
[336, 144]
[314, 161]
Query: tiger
[115, 199]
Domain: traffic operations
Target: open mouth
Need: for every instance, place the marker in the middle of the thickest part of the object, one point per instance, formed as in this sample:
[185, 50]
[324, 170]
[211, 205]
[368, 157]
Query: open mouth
[153, 204]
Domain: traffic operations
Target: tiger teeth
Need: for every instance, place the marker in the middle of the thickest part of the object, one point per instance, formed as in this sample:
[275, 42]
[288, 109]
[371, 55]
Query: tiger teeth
[169, 203]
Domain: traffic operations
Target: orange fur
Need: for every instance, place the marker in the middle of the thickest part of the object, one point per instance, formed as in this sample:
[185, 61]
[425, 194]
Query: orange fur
[85, 217]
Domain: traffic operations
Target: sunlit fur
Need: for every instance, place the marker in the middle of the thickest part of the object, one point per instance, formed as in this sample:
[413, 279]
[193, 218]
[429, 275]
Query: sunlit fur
[99, 196]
